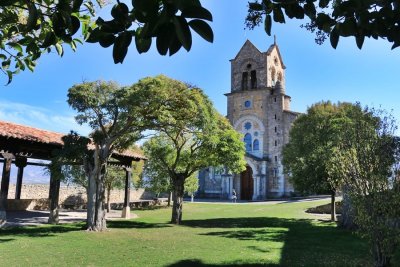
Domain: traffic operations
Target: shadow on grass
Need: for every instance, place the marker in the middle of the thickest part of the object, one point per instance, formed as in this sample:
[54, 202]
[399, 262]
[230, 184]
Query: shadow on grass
[199, 263]
[135, 224]
[42, 231]
[257, 235]
[305, 242]
[3, 240]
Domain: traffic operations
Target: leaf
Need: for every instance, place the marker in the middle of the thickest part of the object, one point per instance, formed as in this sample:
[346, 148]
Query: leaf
[76, 5]
[107, 40]
[59, 49]
[163, 39]
[121, 45]
[120, 11]
[10, 76]
[360, 40]
[278, 15]
[143, 44]
[197, 12]
[334, 37]
[256, 6]
[268, 24]
[49, 40]
[32, 18]
[16, 46]
[309, 10]
[183, 32]
[3, 57]
[203, 29]
[6, 64]
[74, 25]
[323, 3]
[174, 46]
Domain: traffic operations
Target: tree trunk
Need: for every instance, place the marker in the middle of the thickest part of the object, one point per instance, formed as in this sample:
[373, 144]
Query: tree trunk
[91, 200]
[108, 199]
[380, 260]
[192, 198]
[178, 200]
[169, 199]
[333, 206]
[54, 197]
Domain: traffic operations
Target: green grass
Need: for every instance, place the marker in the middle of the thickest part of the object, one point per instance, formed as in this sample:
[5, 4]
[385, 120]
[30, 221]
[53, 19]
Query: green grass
[211, 235]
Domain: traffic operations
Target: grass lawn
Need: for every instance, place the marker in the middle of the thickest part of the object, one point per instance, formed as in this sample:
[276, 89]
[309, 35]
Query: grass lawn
[211, 235]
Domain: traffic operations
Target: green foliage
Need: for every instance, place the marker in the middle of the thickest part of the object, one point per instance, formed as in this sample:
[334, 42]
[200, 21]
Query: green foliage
[368, 161]
[190, 135]
[313, 138]
[30, 28]
[192, 184]
[332, 18]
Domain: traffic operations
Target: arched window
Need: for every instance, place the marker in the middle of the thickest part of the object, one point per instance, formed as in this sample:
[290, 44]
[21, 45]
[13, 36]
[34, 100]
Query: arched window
[279, 76]
[273, 73]
[247, 141]
[256, 144]
[245, 81]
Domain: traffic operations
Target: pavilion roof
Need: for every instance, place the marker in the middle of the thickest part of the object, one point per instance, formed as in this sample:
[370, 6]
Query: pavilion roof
[40, 136]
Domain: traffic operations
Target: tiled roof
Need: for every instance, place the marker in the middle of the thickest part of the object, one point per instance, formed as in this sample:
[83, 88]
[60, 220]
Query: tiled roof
[27, 133]
[22, 132]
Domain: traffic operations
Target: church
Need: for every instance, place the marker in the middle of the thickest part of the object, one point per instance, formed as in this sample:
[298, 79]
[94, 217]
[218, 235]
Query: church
[258, 108]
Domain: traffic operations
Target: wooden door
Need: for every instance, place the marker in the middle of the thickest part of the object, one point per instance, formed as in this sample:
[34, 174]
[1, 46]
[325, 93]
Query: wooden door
[246, 184]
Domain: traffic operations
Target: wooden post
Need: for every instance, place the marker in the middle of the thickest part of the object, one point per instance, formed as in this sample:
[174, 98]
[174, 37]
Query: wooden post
[5, 183]
[21, 164]
[126, 211]
[54, 193]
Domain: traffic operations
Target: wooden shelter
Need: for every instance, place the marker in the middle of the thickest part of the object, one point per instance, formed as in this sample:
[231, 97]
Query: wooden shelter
[18, 143]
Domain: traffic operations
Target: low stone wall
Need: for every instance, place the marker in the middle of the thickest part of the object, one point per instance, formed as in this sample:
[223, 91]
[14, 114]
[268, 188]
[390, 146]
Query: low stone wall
[326, 209]
[70, 195]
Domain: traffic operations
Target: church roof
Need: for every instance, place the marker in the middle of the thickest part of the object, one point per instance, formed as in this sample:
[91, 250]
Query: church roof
[271, 48]
[248, 43]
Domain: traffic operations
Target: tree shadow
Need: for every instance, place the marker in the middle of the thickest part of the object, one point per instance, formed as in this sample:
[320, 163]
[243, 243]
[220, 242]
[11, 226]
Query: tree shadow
[42, 231]
[135, 224]
[199, 263]
[3, 240]
[257, 235]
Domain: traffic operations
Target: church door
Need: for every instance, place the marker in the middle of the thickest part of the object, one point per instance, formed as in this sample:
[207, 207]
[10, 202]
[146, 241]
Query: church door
[246, 184]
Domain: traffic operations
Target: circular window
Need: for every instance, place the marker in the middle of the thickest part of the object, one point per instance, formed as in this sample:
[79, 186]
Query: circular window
[247, 103]
[247, 125]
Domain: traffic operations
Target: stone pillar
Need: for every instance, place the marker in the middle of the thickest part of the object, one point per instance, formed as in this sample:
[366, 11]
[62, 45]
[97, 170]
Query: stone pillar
[255, 187]
[126, 211]
[5, 183]
[21, 163]
[54, 192]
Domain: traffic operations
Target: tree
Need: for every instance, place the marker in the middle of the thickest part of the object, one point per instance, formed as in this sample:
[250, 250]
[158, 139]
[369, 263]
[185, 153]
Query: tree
[30, 28]
[191, 135]
[115, 176]
[368, 162]
[192, 185]
[313, 138]
[333, 18]
[117, 121]
[156, 180]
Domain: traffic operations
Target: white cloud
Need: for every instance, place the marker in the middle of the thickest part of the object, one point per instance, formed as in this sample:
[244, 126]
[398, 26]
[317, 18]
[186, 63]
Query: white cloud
[40, 118]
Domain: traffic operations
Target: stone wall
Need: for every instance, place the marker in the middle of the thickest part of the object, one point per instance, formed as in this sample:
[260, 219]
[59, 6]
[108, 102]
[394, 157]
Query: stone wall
[73, 193]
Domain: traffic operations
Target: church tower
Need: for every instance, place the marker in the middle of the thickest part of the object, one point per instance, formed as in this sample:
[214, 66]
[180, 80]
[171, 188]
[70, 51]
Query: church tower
[259, 108]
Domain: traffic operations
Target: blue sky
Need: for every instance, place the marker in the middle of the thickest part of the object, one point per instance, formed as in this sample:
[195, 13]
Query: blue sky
[313, 73]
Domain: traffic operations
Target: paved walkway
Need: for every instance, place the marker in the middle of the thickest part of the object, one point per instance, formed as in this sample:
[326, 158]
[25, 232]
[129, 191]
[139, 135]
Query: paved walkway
[35, 217]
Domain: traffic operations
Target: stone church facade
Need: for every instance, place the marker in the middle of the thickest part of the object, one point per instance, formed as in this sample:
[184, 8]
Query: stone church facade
[259, 108]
